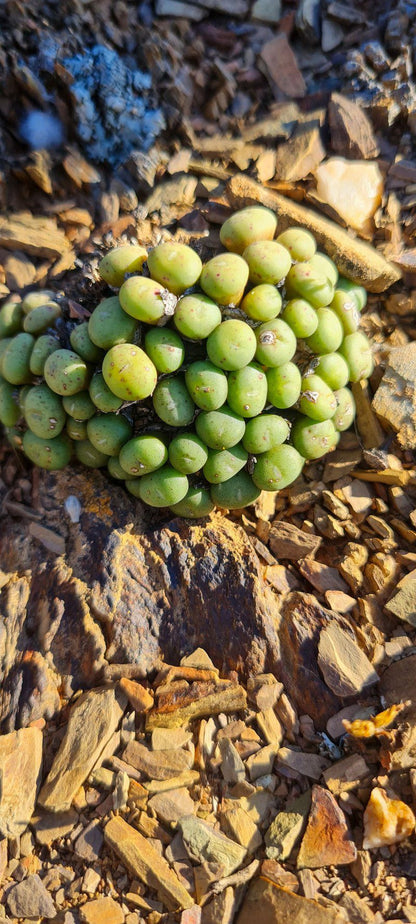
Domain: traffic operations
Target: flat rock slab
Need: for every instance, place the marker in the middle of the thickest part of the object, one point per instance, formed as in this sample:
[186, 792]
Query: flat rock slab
[395, 399]
[50, 825]
[101, 911]
[157, 765]
[20, 777]
[92, 722]
[141, 859]
[327, 840]
[355, 260]
[345, 667]
[271, 904]
[30, 899]
[351, 130]
[403, 603]
[36, 236]
[289, 542]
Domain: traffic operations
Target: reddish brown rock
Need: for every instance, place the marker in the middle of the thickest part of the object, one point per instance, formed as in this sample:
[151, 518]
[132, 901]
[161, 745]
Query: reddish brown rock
[327, 840]
[301, 622]
[278, 62]
[271, 904]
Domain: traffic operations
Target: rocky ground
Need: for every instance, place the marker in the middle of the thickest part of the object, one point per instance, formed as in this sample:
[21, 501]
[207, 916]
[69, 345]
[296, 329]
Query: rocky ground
[202, 719]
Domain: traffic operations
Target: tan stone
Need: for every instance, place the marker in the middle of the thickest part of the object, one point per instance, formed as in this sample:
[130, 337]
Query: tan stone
[286, 829]
[394, 401]
[262, 761]
[141, 859]
[20, 775]
[403, 603]
[158, 765]
[354, 190]
[322, 577]
[346, 774]
[346, 669]
[37, 236]
[92, 721]
[303, 152]
[351, 129]
[101, 911]
[186, 779]
[165, 739]
[310, 765]
[48, 826]
[171, 806]
[278, 61]
[327, 840]
[273, 904]
[270, 727]
[138, 696]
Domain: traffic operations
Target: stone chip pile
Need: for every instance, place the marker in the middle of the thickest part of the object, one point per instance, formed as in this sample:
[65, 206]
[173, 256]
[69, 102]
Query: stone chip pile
[195, 799]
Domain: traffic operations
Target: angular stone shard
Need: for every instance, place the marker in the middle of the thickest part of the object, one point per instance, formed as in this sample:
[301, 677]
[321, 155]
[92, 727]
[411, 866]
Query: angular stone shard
[20, 777]
[287, 541]
[211, 848]
[199, 700]
[278, 62]
[158, 765]
[30, 899]
[354, 190]
[351, 130]
[354, 259]
[344, 665]
[92, 721]
[394, 401]
[141, 859]
[287, 828]
[103, 910]
[240, 827]
[272, 904]
[327, 840]
[300, 155]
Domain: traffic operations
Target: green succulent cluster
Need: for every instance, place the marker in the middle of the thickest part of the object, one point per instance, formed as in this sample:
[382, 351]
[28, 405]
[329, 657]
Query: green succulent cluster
[195, 385]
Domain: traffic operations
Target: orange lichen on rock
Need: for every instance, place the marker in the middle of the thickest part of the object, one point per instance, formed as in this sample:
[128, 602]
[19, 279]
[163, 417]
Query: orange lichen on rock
[369, 728]
[386, 821]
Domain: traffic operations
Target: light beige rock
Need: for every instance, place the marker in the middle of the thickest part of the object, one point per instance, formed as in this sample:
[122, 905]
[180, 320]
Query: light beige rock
[92, 721]
[258, 805]
[209, 847]
[403, 603]
[262, 761]
[232, 767]
[186, 779]
[273, 904]
[141, 859]
[168, 739]
[395, 401]
[353, 188]
[346, 669]
[20, 776]
[346, 774]
[158, 765]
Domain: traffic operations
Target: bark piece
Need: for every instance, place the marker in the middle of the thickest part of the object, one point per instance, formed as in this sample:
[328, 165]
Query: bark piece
[20, 776]
[287, 541]
[351, 130]
[355, 260]
[346, 668]
[271, 903]
[279, 63]
[92, 722]
[141, 859]
[327, 840]
[199, 700]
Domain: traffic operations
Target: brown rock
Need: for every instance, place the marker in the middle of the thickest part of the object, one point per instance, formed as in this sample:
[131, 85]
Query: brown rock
[327, 840]
[278, 62]
[301, 621]
[143, 861]
[345, 667]
[287, 541]
[300, 155]
[20, 271]
[273, 904]
[355, 260]
[351, 130]
[102, 911]
[48, 826]
[322, 577]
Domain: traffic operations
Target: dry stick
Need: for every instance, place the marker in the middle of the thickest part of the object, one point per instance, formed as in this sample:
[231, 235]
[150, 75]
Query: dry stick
[356, 260]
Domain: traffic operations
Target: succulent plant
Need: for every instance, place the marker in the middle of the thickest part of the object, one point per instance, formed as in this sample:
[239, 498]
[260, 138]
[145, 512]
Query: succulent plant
[194, 385]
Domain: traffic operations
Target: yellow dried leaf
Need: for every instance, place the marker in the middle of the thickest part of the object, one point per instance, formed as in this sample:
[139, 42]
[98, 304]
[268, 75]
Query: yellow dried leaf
[368, 728]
